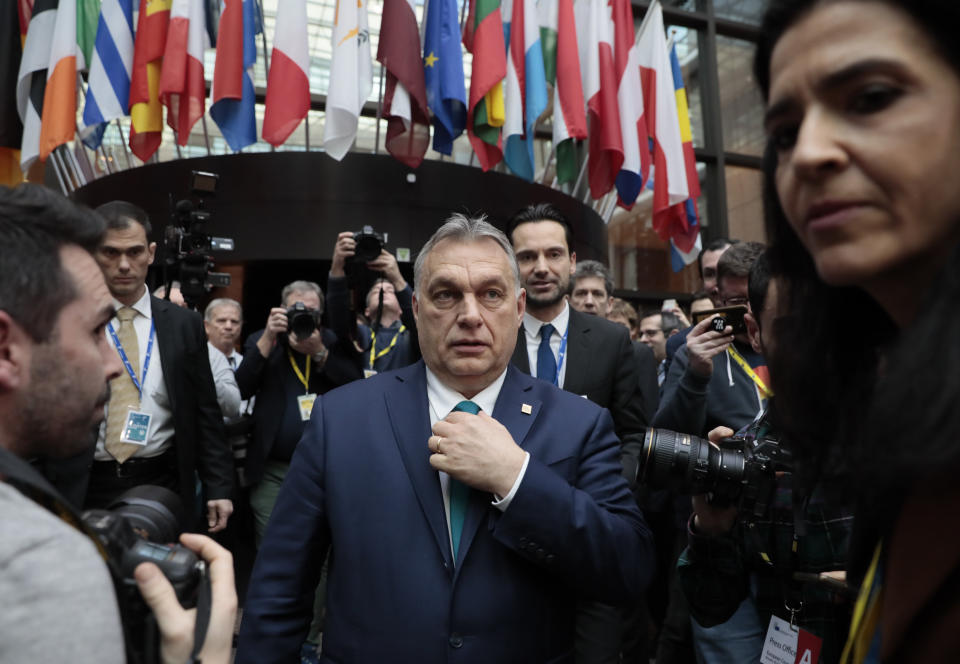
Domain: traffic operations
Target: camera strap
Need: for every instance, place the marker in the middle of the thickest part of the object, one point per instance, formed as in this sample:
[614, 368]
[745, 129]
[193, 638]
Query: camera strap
[374, 356]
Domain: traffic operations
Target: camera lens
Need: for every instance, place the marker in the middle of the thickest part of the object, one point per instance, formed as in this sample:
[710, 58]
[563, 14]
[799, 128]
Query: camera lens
[690, 465]
[154, 512]
[368, 247]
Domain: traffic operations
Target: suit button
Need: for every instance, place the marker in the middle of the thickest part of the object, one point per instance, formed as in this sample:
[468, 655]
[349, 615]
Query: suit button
[540, 554]
[456, 640]
[550, 558]
[523, 541]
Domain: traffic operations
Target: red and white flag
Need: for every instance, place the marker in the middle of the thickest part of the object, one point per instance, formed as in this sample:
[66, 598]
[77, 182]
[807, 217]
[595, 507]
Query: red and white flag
[288, 85]
[636, 152]
[663, 126]
[405, 95]
[600, 89]
[182, 88]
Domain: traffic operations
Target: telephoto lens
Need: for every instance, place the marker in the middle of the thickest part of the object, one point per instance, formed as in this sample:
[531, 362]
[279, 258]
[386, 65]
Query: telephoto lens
[691, 465]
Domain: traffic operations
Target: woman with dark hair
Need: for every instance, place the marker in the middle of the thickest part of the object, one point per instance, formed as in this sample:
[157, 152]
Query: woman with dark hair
[863, 209]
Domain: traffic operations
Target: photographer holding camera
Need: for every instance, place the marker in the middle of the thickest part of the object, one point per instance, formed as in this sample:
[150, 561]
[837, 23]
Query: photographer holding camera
[772, 542]
[55, 368]
[389, 341]
[286, 365]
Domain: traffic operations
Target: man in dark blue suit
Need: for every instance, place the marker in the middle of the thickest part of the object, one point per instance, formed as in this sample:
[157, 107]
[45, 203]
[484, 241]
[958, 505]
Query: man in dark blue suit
[464, 504]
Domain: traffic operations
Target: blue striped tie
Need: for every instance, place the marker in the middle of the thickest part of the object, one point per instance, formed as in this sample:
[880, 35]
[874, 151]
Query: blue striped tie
[459, 492]
[546, 362]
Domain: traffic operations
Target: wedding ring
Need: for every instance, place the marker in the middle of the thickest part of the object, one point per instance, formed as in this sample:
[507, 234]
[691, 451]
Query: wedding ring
[439, 438]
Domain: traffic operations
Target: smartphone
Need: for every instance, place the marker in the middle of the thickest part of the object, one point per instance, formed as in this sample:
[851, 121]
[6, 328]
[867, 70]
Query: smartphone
[669, 305]
[732, 316]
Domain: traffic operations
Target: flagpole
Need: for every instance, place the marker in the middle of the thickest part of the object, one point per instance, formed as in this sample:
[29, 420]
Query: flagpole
[306, 128]
[176, 142]
[206, 136]
[376, 140]
[546, 165]
[56, 171]
[266, 60]
[123, 142]
[583, 169]
[463, 13]
[646, 18]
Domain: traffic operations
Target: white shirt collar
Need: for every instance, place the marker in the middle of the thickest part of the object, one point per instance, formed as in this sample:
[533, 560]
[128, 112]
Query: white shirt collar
[532, 325]
[141, 306]
[443, 399]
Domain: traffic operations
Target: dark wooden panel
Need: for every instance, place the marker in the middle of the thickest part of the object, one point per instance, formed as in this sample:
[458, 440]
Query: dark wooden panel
[291, 205]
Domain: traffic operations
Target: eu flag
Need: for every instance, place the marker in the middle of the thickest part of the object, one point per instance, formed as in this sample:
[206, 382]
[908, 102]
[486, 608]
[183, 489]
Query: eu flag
[443, 73]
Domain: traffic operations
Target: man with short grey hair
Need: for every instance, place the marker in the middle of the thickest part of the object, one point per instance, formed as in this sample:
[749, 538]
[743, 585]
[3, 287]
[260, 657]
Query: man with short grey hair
[592, 288]
[466, 504]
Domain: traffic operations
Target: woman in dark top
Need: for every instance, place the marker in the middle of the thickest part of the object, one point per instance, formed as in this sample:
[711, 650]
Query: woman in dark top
[863, 208]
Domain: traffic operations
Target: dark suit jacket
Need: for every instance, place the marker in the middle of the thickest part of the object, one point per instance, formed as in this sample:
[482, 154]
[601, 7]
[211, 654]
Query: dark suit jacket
[265, 378]
[603, 365]
[198, 425]
[361, 485]
[198, 439]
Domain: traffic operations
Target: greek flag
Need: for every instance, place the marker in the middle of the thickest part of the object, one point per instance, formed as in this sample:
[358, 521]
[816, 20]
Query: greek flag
[108, 92]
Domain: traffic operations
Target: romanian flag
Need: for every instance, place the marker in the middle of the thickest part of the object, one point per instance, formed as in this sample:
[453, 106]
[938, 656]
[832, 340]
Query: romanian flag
[483, 37]
[681, 258]
[146, 112]
[670, 188]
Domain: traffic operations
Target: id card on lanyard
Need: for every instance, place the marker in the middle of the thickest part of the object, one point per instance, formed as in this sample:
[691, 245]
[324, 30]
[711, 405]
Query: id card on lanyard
[304, 401]
[136, 428]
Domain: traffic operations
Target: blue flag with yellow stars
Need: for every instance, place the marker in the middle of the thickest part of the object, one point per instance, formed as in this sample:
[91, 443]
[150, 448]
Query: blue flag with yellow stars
[443, 73]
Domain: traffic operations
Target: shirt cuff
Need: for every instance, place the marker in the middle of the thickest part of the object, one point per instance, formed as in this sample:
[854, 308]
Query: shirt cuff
[503, 503]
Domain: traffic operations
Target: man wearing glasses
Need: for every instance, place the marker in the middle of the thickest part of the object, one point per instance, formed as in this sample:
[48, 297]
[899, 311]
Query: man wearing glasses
[716, 378]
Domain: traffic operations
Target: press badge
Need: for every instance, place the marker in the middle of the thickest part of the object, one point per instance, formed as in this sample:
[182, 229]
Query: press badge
[305, 402]
[369, 373]
[136, 428]
[788, 644]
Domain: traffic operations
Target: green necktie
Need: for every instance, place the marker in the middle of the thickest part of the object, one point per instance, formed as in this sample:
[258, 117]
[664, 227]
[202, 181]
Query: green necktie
[459, 492]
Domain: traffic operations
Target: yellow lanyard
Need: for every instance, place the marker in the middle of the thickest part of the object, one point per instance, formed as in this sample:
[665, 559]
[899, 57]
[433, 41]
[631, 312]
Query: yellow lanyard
[738, 358]
[373, 345]
[866, 615]
[303, 379]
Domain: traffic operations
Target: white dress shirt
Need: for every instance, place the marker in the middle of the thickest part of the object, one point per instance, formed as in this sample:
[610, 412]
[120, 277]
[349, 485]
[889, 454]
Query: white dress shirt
[531, 328]
[442, 401]
[153, 398]
[228, 393]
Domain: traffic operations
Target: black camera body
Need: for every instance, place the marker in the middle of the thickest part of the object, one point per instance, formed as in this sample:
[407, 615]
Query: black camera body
[187, 247]
[134, 529]
[369, 245]
[302, 321]
[738, 471]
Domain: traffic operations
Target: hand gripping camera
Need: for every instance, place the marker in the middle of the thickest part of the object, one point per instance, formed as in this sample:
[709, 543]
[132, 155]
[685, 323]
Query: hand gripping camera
[738, 470]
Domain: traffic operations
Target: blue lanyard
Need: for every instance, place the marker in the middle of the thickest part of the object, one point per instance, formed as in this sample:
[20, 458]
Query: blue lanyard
[561, 355]
[126, 362]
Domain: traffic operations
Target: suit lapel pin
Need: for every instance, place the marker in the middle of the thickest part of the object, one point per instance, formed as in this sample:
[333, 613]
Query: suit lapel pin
[526, 409]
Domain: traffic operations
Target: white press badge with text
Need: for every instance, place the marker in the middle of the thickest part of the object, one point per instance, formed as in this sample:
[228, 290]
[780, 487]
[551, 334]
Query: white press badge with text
[136, 428]
[788, 644]
[305, 403]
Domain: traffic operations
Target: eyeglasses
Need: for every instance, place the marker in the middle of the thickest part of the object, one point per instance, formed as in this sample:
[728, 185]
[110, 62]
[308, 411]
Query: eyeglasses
[735, 301]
